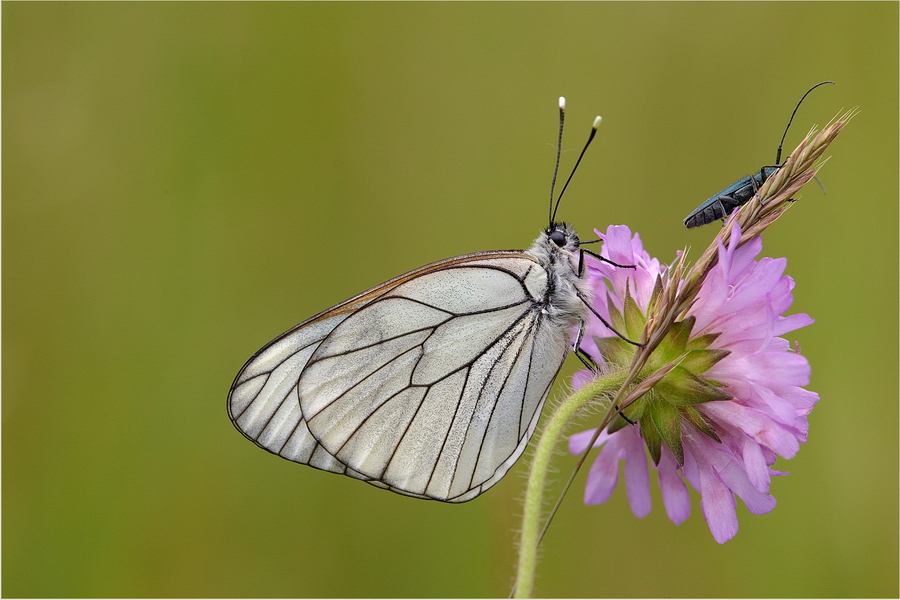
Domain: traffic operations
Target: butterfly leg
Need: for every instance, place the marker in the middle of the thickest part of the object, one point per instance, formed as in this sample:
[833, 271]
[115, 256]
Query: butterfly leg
[590, 363]
[582, 252]
[585, 358]
[604, 321]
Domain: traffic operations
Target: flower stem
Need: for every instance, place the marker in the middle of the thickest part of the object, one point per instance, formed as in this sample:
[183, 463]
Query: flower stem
[599, 388]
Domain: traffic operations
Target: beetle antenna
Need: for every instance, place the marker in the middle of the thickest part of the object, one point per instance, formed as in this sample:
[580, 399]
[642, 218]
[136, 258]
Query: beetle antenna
[562, 118]
[590, 139]
[784, 135]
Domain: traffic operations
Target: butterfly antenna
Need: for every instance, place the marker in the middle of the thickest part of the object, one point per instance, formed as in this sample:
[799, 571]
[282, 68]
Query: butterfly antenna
[594, 128]
[784, 135]
[562, 118]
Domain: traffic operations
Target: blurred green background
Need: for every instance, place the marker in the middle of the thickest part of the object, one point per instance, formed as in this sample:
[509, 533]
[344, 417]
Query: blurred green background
[183, 182]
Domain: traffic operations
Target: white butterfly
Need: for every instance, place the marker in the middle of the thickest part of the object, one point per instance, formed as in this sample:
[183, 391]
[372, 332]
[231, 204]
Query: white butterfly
[430, 384]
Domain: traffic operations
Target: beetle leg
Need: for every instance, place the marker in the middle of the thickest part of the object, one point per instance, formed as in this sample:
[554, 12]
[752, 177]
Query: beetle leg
[722, 207]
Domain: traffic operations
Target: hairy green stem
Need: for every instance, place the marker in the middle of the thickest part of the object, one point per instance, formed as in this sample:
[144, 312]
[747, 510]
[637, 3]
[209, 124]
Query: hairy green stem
[599, 388]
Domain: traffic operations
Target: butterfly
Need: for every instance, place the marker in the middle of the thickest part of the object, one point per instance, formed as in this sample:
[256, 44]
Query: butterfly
[430, 384]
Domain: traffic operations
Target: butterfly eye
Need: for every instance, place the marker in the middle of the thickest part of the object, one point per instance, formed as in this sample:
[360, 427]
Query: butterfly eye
[558, 238]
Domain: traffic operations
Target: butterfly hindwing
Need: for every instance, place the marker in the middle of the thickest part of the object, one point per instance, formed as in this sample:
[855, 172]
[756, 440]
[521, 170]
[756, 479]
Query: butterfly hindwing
[429, 385]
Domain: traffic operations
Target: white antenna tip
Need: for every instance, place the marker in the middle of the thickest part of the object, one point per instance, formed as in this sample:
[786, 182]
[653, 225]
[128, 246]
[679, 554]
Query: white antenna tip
[597, 120]
[562, 103]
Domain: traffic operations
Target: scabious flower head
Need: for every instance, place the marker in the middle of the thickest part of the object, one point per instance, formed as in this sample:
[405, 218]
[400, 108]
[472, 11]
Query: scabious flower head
[732, 399]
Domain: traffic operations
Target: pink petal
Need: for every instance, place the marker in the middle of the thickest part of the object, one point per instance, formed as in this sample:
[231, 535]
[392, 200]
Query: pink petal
[801, 399]
[745, 255]
[617, 244]
[735, 477]
[780, 409]
[791, 322]
[604, 474]
[578, 442]
[637, 476]
[759, 427]
[676, 498]
[718, 506]
[780, 367]
[756, 286]
[690, 470]
[755, 465]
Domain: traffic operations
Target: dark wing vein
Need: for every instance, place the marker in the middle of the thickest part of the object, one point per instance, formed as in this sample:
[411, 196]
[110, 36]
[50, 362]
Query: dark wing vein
[376, 409]
[500, 391]
[265, 374]
[462, 389]
[480, 394]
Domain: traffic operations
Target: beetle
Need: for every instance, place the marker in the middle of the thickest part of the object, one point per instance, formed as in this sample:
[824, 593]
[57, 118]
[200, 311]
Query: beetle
[720, 205]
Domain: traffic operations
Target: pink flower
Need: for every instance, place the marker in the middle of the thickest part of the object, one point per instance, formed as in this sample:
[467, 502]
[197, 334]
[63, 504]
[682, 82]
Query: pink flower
[735, 402]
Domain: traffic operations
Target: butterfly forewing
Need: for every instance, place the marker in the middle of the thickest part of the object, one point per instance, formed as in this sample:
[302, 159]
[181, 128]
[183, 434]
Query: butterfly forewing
[429, 385]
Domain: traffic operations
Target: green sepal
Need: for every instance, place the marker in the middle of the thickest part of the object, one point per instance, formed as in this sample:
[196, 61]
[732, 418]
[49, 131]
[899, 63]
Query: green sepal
[655, 296]
[615, 317]
[652, 439]
[634, 414]
[702, 341]
[680, 333]
[607, 346]
[667, 421]
[680, 387]
[634, 318]
[615, 350]
[675, 342]
[698, 422]
[699, 361]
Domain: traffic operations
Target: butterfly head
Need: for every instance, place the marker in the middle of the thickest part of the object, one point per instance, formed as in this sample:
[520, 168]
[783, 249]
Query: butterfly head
[563, 237]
